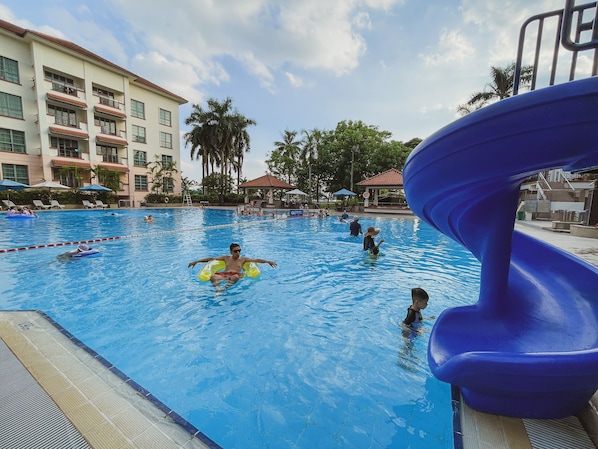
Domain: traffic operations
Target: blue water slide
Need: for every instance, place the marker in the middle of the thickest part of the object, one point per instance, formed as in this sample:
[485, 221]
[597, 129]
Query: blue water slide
[529, 346]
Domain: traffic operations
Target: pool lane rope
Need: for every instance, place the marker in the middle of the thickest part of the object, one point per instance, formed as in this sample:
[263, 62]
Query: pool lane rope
[118, 237]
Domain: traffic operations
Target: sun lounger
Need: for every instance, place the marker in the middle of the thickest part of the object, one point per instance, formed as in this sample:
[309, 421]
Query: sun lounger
[38, 204]
[99, 203]
[9, 204]
[56, 205]
[88, 205]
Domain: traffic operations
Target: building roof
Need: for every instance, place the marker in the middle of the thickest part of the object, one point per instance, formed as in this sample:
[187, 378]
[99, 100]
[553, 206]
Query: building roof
[266, 182]
[22, 32]
[389, 178]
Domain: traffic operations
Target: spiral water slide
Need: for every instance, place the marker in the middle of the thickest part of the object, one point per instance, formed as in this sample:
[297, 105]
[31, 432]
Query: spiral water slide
[529, 346]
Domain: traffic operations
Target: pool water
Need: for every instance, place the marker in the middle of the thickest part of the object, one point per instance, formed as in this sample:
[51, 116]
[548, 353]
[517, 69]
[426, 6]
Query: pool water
[308, 355]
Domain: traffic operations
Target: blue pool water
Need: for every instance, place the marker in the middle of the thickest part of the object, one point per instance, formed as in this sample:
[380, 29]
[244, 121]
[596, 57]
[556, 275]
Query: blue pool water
[308, 355]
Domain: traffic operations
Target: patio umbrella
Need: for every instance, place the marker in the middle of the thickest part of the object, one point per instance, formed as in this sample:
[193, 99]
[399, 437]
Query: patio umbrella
[344, 192]
[49, 185]
[7, 184]
[296, 192]
[94, 188]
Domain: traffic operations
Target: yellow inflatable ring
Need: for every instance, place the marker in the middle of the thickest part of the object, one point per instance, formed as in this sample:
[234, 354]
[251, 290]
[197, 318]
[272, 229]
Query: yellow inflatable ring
[251, 269]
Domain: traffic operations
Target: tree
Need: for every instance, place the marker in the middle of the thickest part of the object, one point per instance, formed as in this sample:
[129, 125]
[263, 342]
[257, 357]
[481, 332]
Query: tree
[219, 136]
[500, 87]
[310, 143]
[187, 184]
[284, 158]
[161, 175]
[107, 178]
[70, 175]
[217, 184]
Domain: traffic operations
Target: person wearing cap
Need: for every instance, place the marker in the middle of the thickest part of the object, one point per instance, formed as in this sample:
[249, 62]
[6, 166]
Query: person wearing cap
[233, 269]
[355, 227]
[368, 241]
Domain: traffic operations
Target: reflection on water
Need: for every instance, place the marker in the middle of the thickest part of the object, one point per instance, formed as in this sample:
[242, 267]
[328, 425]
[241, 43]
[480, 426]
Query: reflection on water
[308, 355]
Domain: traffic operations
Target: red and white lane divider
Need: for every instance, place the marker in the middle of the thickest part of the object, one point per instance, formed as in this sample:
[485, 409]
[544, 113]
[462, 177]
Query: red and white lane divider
[51, 245]
[118, 237]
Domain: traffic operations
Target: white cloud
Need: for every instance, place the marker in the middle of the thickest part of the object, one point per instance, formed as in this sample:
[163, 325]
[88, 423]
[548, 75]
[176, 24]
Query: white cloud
[175, 76]
[453, 47]
[294, 80]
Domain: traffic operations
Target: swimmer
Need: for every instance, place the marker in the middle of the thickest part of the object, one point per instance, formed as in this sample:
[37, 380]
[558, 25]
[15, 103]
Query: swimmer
[80, 249]
[148, 218]
[355, 227]
[233, 269]
[368, 241]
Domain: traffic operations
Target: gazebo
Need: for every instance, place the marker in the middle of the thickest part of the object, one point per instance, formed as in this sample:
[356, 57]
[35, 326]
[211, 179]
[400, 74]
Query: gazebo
[390, 179]
[266, 182]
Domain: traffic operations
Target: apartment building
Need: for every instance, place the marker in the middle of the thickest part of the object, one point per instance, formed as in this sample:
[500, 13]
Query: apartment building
[70, 116]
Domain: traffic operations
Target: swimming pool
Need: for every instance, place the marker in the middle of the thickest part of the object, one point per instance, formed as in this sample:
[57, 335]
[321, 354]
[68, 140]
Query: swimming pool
[309, 355]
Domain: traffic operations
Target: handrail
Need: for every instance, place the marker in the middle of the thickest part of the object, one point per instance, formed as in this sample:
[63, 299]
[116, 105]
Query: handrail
[570, 21]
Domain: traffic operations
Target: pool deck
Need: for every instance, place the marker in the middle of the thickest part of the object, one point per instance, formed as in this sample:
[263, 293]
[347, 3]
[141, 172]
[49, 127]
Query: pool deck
[57, 393]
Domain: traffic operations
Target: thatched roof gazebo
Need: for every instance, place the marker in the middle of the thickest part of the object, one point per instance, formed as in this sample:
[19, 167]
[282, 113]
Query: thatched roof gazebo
[390, 179]
[266, 182]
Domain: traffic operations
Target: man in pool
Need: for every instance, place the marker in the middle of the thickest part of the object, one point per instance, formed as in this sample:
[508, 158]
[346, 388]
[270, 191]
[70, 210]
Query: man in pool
[233, 270]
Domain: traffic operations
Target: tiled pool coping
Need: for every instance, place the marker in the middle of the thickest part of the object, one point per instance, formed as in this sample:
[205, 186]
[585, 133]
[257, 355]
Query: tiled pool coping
[108, 408]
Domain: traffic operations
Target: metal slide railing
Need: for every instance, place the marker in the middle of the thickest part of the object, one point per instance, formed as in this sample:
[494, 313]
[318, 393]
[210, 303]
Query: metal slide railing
[576, 30]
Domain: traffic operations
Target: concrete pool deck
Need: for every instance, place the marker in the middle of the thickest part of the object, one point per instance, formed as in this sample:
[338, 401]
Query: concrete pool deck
[94, 405]
[56, 393]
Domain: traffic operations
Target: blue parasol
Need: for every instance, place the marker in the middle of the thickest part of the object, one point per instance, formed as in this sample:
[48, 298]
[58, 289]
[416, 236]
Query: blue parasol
[7, 184]
[95, 188]
[344, 192]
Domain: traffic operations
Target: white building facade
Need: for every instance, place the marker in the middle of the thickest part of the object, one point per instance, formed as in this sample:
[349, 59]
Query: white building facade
[70, 116]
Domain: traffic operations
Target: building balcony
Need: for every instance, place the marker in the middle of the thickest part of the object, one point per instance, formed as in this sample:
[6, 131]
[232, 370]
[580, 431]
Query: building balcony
[111, 140]
[68, 131]
[66, 99]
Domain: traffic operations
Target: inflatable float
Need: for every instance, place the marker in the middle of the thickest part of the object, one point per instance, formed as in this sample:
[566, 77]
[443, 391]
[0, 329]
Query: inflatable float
[250, 269]
[90, 252]
[83, 251]
[21, 216]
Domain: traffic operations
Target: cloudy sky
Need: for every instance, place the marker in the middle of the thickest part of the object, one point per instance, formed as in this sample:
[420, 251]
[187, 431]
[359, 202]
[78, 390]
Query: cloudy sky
[401, 65]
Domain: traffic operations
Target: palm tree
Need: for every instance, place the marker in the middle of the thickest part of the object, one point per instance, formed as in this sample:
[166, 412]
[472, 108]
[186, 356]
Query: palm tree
[289, 150]
[309, 152]
[501, 87]
[219, 136]
[241, 143]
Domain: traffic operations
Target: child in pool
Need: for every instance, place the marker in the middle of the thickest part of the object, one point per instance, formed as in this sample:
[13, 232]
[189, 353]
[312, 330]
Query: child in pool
[419, 301]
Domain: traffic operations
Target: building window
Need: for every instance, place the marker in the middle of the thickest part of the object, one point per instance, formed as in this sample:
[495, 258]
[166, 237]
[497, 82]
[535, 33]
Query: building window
[61, 83]
[168, 184]
[9, 70]
[18, 173]
[138, 134]
[137, 109]
[139, 158]
[166, 160]
[66, 176]
[11, 105]
[109, 154]
[63, 116]
[165, 117]
[141, 182]
[66, 147]
[165, 140]
[106, 126]
[106, 97]
[11, 140]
